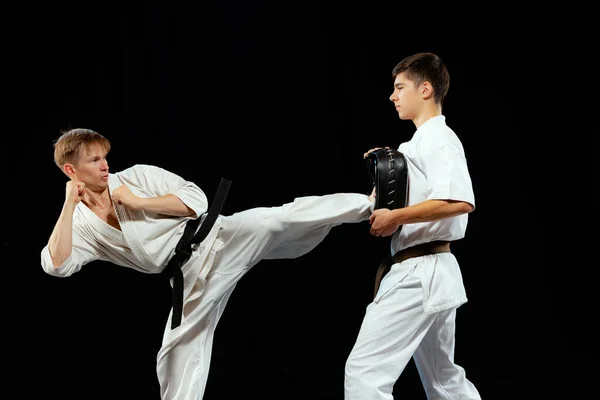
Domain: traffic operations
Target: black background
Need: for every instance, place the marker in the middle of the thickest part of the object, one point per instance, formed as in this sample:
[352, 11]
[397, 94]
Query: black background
[283, 100]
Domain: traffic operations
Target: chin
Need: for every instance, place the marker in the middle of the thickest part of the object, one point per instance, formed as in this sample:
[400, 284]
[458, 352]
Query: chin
[405, 116]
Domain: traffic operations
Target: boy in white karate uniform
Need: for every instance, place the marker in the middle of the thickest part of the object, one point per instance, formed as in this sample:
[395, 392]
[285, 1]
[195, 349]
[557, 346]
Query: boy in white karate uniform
[413, 313]
[135, 218]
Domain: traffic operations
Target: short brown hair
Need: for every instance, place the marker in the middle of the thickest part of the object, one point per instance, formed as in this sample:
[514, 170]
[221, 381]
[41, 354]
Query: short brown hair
[426, 67]
[68, 147]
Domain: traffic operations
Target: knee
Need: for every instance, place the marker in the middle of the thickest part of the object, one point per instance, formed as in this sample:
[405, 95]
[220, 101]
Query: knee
[361, 381]
[250, 222]
[354, 375]
[350, 369]
[272, 221]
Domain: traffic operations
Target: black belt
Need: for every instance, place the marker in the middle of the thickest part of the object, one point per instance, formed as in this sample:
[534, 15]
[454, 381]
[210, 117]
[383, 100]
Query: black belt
[183, 250]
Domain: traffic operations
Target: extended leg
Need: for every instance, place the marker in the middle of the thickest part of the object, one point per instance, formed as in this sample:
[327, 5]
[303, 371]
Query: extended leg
[293, 229]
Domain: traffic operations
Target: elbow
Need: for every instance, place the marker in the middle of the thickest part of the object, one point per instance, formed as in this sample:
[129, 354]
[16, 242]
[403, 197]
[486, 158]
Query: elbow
[458, 207]
[467, 208]
[61, 270]
[191, 213]
[52, 270]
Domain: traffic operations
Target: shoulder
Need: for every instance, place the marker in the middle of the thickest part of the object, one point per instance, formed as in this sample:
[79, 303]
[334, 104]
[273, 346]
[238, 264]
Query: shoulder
[440, 135]
[140, 169]
[141, 174]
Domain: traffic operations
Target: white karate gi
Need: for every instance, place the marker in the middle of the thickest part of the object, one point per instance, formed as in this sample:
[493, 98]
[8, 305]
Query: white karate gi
[235, 244]
[413, 313]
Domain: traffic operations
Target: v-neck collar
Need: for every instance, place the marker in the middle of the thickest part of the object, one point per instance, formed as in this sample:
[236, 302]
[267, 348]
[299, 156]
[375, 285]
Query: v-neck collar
[127, 235]
[98, 222]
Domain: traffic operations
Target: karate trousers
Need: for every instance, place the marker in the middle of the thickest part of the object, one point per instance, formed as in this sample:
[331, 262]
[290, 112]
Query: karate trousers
[394, 329]
[287, 231]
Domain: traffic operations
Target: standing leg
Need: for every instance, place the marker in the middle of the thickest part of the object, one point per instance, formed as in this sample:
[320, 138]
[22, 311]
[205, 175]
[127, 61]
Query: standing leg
[393, 327]
[249, 236]
[434, 358]
[184, 358]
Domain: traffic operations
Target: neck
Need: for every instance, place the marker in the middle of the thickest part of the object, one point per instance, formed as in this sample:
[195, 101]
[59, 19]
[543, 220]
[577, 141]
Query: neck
[428, 113]
[97, 198]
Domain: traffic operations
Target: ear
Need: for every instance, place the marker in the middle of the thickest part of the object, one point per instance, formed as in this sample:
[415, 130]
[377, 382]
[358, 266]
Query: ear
[426, 90]
[69, 170]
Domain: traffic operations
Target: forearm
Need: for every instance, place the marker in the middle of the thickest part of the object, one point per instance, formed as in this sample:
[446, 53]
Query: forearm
[168, 204]
[60, 243]
[430, 210]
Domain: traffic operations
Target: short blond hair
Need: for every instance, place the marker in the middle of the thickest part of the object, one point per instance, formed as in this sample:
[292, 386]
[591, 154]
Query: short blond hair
[70, 144]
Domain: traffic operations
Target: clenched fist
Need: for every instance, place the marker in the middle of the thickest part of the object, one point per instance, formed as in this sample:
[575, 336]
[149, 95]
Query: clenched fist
[122, 195]
[74, 192]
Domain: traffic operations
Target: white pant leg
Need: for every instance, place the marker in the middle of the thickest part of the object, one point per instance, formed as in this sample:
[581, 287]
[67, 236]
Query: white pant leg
[393, 326]
[249, 236]
[291, 230]
[184, 359]
[442, 379]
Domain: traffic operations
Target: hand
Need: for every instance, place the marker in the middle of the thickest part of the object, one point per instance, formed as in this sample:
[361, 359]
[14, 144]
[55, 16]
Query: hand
[122, 195]
[372, 150]
[382, 223]
[74, 192]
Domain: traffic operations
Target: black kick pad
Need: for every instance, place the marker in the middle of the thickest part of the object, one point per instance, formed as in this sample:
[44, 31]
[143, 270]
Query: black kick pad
[387, 169]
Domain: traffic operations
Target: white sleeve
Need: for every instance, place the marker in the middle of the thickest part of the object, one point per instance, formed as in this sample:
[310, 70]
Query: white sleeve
[83, 252]
[159, 182]
[448, 176]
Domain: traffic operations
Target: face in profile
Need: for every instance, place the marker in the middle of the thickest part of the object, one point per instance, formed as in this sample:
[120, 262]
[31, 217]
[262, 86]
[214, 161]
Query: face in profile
[406, 97]
[91, 166]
